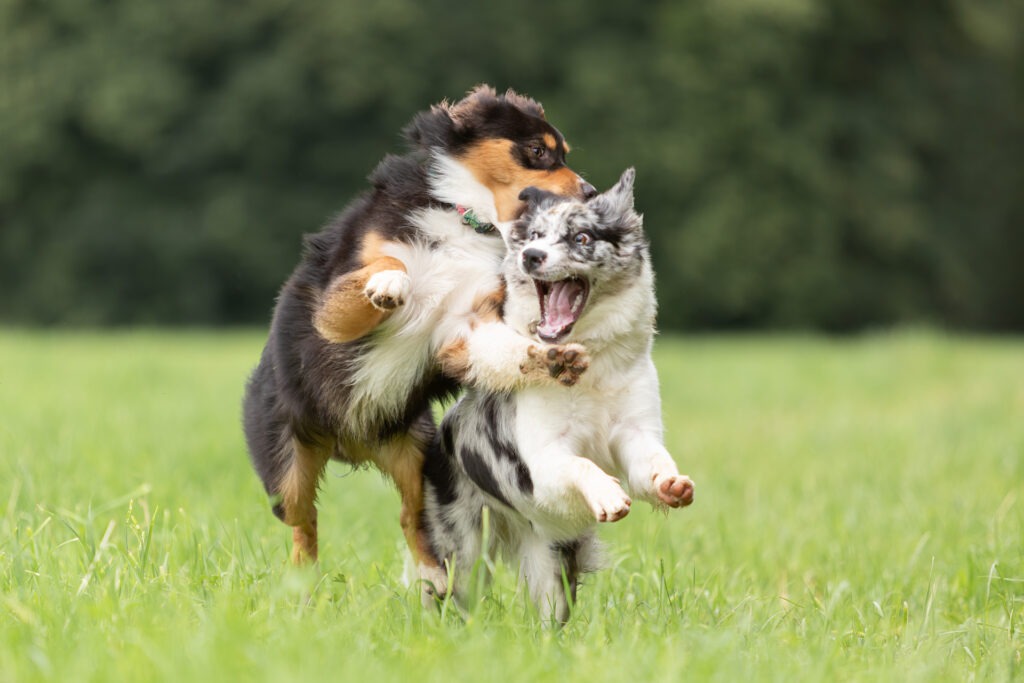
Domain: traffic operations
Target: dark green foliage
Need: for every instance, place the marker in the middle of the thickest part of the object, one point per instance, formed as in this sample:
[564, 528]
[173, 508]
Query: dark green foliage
[829, 165]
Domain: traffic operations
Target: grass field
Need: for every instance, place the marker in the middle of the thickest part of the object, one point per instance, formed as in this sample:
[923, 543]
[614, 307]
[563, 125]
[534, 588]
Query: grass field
[859, 516]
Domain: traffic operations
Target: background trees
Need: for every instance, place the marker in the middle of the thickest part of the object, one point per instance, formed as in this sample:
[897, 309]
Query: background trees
[827, 165]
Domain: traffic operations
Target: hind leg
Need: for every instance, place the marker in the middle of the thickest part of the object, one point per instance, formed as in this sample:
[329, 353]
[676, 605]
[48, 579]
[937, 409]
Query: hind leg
[549, 568]
[296, 492]
[552, 569]
[402, 460]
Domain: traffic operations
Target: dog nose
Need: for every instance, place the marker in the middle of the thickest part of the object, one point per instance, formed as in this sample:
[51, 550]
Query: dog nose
[587, 190]
[533, 259]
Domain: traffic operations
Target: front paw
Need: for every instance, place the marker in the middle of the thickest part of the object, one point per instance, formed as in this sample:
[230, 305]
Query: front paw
[676, 491]
[388, 289]
[562, 362]
[607, 500]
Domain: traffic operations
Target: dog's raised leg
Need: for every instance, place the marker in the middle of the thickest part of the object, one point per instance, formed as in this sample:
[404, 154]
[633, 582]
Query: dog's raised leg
[573, 487]
[652, 472]
[355, 303]
[495, 358]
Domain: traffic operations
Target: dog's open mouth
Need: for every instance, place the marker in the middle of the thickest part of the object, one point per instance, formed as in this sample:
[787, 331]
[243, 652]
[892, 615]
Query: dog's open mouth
[561, 303]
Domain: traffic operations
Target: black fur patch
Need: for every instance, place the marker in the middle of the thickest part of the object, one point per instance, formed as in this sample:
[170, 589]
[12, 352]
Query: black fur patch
[481, 475]
[507, 451]
[437, 467]
[568, 552]
[492, 406]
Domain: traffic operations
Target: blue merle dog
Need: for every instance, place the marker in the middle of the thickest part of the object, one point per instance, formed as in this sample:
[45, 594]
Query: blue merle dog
[550, 462]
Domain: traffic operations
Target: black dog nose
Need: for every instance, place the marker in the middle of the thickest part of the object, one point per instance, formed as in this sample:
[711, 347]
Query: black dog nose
[533, 259]
[588, 190]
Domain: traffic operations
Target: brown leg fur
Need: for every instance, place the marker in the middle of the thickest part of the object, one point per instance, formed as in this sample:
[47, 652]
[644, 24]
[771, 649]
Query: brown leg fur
[402, 460]
[298, 499]
[346, 313]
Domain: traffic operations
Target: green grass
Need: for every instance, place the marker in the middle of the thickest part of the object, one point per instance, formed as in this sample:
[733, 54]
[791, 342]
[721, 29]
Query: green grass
[859, 516]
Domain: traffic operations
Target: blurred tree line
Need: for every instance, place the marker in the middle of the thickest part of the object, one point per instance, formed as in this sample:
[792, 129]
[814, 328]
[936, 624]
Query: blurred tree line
[824, 165]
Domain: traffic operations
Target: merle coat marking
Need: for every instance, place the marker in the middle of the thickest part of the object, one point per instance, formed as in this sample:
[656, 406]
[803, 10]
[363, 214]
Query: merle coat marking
[543, 459]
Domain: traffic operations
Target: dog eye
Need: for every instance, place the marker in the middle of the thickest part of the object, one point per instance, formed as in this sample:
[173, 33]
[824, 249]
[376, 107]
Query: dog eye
[533, 234]
[539, 151]
[583, 237]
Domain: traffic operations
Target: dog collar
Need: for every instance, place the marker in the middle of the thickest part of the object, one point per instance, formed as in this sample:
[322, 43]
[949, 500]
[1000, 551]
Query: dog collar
[469, 218]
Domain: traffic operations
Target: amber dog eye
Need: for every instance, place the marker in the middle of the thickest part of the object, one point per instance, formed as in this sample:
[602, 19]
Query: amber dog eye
[583, 238]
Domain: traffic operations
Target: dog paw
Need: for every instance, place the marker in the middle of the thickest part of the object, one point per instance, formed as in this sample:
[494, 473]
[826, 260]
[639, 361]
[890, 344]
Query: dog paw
[433, 584]
[676, 491]
[562, 362]
[388, 289]
[608, 501]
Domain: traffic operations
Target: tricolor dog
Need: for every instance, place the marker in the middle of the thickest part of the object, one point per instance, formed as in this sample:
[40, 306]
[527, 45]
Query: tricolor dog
[397, 301]
[550, 462]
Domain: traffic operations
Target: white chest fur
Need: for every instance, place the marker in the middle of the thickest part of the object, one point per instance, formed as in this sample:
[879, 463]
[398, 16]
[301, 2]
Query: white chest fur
[449, 267]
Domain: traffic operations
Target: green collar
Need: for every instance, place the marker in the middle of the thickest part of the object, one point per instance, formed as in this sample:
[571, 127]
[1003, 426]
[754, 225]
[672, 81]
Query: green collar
[469, 218]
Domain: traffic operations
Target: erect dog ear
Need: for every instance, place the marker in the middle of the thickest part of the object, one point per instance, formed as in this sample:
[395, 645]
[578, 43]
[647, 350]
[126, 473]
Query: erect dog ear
[615, 205]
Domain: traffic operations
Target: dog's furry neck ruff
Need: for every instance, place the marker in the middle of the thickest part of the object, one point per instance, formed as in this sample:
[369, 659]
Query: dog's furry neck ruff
[455, 185]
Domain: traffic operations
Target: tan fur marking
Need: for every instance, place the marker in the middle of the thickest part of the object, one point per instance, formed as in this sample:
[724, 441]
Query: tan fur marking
[403, 462]
[454, 359]
[345, 313]
[454, 356]
[487, 307]
[493, 164]
[565, 147]
[550, 141]
[297, 489]
[305, 547]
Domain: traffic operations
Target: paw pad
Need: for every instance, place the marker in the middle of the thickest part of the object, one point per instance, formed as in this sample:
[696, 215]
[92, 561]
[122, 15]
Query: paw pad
[563, 362]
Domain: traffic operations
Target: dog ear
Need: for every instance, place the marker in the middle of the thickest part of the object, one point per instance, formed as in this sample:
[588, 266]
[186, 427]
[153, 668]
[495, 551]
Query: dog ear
[524, 103]
[470, 107]
[483, 98]
[534, 196]
[432, 128]
[615, 205]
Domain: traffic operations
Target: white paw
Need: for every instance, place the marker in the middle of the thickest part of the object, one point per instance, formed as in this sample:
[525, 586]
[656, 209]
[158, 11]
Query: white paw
[607, 500]
[674, 490]
[388, 289]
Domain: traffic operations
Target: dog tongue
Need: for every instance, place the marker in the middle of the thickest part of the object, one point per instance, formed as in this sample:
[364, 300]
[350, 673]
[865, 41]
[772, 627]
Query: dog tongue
[562, 307]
